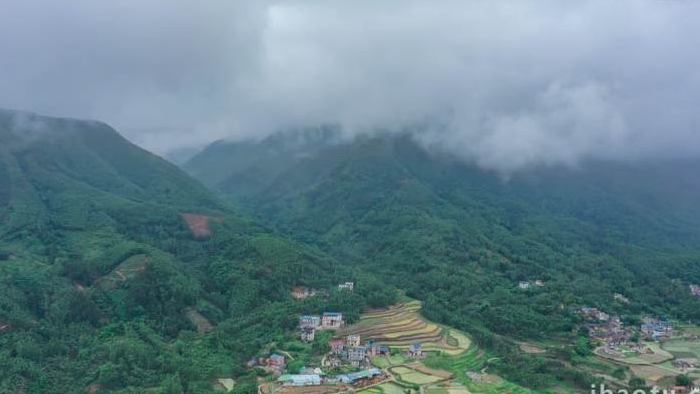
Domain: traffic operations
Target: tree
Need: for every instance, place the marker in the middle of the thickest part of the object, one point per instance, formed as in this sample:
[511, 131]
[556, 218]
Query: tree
[683, 380]
[583, 347]
[637, 383]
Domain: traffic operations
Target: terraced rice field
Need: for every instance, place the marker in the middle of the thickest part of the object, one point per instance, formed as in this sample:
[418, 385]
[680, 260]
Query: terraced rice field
[384, 388]
[388, 361]
[414, 376]
[391, 388]
[447, 388]
[402, 325]
[471, 360]
[658, 366]
[632, 358]
[683, 348]
[653, 373]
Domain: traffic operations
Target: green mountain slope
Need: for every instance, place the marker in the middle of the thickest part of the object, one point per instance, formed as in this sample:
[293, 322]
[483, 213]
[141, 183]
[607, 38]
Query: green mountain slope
[461, 239]
[105, 288]
[246, 168]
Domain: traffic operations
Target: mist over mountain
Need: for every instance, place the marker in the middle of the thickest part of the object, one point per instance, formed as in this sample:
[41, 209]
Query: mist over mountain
[462, 238]
[371, 197]
[308, 155]
[509, 85]
[343, 195]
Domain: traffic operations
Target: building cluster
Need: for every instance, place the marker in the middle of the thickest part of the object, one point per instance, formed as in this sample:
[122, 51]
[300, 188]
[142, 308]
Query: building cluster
[302, 293]
[605, 329]
[525, 285]
[274, 364]
[685, 364]
[308, 324]
[350, 350]
[611, 332]
[589, 313]
[695, 290]
[685, 389]
[656, 329]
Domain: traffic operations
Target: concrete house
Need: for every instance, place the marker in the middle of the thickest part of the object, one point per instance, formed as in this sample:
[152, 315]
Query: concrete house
[308, 334]
[337, 346]
[361, 375]
[349, 286]
[353, 340]
[276, 361]
[356, 355]
[415, 350]
[311, 321]
[695, 290]
[332, 320]
[302, 293]
[656, 330]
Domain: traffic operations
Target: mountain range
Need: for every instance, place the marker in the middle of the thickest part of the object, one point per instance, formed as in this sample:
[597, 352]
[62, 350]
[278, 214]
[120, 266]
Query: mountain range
[121, 272]
[619, 236]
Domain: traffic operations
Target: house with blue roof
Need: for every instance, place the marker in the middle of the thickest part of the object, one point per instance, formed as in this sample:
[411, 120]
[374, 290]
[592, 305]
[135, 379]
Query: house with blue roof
[415, 350]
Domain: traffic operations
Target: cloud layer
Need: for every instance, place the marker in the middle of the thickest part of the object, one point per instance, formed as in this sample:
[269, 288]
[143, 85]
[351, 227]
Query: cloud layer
[507, 84]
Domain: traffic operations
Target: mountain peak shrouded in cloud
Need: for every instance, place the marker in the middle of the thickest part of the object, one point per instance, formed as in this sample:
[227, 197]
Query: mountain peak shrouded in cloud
[510, 84]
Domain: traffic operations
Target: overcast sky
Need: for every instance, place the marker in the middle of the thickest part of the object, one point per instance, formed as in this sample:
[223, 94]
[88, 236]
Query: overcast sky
[510, 83]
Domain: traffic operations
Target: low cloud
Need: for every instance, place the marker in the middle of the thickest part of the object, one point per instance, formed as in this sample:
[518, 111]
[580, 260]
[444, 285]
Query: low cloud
[508, 84]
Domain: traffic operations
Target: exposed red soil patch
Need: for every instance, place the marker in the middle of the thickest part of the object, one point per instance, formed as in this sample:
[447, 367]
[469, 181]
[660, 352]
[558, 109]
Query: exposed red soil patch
[199, 224]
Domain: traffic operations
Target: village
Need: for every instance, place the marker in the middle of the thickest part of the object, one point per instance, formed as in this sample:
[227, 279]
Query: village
[623, 343]
[610, 332]
[348, 361]
[386, 351]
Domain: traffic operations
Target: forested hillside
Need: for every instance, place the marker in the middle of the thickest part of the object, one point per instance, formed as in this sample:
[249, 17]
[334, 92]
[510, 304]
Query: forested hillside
[461, 239]
[105, 288]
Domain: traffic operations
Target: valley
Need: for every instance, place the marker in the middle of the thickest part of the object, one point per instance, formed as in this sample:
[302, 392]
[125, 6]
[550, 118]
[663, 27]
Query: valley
[448, 280]
[509, 261]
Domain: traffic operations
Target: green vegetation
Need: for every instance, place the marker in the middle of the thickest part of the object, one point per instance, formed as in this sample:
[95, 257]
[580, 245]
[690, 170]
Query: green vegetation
[100, 274]
[460, 239]
[119, 273]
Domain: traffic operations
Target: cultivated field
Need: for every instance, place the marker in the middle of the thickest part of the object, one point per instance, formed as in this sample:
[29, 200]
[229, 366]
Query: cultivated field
[402, 325]
[447, 388]
[451, 355]
[657, 355]
[411, 375]
[683, 348]
[386, 388]
[658, 366]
